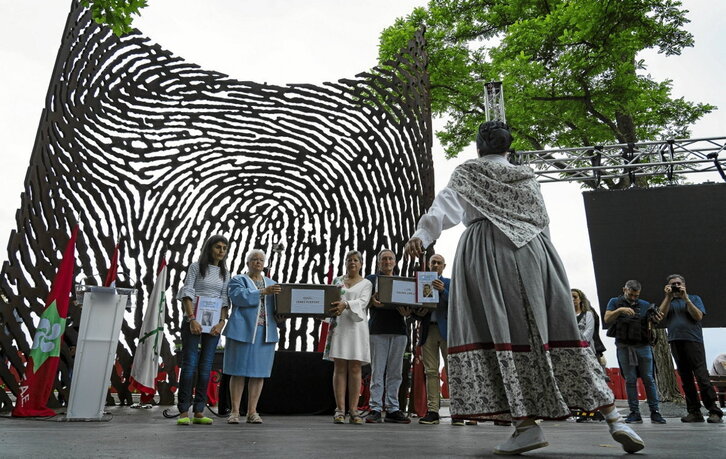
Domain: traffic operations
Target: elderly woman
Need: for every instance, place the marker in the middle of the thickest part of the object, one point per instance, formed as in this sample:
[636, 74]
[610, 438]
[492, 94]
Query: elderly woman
[207, 277]
[251, 335]
[348, 343]
[515, 351]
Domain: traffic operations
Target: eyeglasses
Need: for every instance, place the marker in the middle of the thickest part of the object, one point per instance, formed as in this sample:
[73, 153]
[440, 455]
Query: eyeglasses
[675, 283]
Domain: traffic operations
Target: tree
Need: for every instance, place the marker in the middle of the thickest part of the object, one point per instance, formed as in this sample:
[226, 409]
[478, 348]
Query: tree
[570, 69]
[115, 13]
[665, 375]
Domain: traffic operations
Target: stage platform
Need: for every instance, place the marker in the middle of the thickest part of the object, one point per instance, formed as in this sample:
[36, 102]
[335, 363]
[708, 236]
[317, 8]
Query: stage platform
[146, 433]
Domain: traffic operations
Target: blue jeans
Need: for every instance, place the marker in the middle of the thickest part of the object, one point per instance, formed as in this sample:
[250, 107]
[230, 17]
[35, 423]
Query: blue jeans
[644, 368]
[386, 370]
[195, 360]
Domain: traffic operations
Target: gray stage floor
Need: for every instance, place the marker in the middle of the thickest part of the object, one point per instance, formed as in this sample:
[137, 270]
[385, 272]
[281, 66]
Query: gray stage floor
[146, 433]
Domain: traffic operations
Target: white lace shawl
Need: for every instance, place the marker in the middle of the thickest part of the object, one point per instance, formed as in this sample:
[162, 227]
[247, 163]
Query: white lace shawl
[507, 195]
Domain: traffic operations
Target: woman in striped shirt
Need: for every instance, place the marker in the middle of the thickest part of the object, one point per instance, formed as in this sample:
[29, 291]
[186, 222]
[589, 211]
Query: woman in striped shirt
[207, 277]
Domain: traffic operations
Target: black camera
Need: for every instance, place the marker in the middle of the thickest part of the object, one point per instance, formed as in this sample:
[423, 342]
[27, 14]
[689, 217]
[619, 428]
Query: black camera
[675, 288]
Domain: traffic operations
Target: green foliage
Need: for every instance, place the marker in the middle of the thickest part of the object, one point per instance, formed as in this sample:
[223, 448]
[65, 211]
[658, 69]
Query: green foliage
[115, 13]
[570, 69]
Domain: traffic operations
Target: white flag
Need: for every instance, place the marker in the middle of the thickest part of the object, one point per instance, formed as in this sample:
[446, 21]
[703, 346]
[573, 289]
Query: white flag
[146, 361]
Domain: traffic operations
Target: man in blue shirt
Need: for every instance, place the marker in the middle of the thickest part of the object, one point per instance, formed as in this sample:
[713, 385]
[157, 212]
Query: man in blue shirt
[683, 314]
[632, 318]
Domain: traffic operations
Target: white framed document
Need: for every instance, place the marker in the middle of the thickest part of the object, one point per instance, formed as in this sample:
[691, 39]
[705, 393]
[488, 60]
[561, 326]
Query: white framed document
[208, 312]
[425, 291]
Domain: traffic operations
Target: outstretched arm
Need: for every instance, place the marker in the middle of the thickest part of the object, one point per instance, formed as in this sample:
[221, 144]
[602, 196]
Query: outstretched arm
[445, 212]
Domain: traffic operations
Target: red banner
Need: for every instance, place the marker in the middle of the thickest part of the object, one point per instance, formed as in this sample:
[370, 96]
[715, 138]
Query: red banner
[42, 365]
[112, 273]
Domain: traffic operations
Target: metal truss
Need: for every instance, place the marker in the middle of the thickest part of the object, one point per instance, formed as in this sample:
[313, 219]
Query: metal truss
[668, 159]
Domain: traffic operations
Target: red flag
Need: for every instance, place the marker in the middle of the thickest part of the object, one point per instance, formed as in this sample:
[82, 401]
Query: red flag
[420, 401]
[112, 273]
[324, 326]
[42, 365]
[444, 384]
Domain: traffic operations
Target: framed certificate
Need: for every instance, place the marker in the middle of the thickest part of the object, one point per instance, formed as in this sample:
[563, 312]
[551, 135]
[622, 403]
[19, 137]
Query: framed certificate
[208, 312]
[394, 291]
[305, 300]
[425, 291]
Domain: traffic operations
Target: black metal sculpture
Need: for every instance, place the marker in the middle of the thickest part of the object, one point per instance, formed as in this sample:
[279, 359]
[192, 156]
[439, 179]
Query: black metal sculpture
[135, 143]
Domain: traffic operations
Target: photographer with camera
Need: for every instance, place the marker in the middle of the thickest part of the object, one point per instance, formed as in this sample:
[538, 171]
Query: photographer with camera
[683, 314]
[630, 321]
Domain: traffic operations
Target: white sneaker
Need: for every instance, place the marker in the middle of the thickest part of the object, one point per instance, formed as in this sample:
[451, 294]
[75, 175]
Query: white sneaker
[626, 436]
[522, 441]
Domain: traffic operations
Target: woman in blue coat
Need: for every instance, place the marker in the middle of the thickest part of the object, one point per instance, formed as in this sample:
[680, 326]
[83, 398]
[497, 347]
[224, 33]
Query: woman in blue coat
[251, 335]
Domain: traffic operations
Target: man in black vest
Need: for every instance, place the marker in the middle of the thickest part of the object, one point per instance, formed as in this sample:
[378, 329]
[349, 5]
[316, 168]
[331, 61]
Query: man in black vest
[631, 320]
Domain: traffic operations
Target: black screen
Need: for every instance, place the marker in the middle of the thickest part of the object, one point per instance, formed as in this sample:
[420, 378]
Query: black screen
[647, 234]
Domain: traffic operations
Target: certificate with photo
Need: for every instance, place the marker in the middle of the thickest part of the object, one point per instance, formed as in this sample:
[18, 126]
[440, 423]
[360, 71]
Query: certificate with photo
[208, 312]
[425, 291]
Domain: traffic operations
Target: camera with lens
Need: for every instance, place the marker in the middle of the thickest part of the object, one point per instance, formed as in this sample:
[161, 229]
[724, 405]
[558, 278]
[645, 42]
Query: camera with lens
[675, 288]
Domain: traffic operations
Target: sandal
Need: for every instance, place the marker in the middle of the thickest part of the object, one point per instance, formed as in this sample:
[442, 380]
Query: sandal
[233, 418]
[355, 418]
[254, 418]
[339, 417]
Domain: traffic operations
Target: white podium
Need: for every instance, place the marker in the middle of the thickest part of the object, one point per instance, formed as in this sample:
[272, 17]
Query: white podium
[103, 312]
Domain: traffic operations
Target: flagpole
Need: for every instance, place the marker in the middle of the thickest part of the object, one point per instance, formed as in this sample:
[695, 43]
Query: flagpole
[42, 365]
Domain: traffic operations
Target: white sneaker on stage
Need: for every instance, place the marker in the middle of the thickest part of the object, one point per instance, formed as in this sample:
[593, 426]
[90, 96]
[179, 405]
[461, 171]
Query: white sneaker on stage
[626, 436]
[532, 437]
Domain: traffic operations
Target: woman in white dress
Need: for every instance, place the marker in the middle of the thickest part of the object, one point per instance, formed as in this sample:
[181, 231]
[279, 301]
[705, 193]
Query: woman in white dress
[348, 343]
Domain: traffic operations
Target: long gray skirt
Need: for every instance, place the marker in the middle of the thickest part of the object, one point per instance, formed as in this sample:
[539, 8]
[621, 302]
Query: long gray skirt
[514, 347]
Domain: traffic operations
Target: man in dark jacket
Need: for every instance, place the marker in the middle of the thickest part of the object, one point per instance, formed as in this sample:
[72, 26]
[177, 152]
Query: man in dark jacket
[433, 340]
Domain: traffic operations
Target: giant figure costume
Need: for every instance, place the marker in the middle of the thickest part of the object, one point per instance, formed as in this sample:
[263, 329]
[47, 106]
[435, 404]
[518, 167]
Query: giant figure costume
[515, 351]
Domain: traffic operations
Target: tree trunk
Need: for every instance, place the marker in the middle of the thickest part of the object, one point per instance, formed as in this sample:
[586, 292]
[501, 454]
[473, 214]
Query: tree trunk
[665, 374]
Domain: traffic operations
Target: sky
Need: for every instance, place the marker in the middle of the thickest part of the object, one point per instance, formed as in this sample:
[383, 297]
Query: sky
[312, 41]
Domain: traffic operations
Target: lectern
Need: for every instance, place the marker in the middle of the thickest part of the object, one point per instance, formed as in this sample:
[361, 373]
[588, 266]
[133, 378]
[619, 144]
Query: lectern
[103, 312]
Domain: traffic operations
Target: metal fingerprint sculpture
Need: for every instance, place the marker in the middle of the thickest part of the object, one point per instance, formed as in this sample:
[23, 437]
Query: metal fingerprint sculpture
[136, 143]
